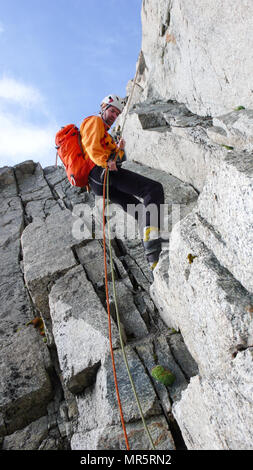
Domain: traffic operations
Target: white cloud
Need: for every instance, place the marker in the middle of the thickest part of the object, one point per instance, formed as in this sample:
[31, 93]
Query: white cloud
[19, 141]
[20, 137]
[1, 28]
[25, 95]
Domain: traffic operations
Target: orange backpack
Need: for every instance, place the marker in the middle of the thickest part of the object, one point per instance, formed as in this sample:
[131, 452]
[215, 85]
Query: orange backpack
[69, 148]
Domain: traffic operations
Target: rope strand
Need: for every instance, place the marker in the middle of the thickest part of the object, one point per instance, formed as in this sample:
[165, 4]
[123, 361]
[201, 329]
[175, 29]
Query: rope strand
[119, 325]
[106, 184]
[109, 322]
[131, 95]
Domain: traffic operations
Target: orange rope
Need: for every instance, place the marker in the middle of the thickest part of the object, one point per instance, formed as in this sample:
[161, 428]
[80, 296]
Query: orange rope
[109, 319]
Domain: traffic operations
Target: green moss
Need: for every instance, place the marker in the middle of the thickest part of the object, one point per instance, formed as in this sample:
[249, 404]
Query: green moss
[162, 375]
[191, 258]
[227, 147]
[239, 108]
[172, 331]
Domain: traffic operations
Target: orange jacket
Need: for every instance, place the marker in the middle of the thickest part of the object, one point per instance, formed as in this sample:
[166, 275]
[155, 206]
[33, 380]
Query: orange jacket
[96, 142]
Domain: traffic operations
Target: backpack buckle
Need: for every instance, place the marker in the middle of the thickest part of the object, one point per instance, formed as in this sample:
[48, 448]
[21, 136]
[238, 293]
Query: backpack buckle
[72, 180]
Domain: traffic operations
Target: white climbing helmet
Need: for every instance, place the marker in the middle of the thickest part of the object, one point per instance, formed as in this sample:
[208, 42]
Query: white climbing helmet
[114, 100]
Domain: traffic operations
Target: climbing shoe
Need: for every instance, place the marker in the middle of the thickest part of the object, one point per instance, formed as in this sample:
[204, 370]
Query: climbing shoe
[152, 245]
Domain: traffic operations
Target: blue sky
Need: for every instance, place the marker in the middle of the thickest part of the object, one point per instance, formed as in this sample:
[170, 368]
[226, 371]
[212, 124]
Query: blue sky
[58, 59]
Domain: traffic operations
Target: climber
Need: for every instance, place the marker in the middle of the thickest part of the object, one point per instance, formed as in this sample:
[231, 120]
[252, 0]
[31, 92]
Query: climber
[124, 185]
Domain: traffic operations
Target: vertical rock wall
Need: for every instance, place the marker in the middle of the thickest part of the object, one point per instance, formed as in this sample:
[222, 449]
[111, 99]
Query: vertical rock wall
[57, 390]
[194, 63]
[191, 123]
[198, 53]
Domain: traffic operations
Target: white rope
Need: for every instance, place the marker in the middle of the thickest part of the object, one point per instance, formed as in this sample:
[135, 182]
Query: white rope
[130, 97]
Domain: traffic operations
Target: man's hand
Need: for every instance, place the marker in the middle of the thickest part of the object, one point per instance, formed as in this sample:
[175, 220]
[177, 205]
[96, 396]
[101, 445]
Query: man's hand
[111, 164]
[121, 144]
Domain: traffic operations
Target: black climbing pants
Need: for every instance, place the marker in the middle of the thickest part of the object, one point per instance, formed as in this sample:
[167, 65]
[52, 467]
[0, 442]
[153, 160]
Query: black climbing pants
[125, 187]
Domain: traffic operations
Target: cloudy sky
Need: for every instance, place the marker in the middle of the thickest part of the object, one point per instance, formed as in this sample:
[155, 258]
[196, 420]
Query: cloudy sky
[58, 59]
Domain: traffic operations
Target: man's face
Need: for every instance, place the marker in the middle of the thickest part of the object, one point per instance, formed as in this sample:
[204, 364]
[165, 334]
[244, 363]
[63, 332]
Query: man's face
[111, 114]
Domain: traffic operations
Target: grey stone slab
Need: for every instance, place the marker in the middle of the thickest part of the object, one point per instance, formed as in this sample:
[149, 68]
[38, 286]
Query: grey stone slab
[130, 317]
[28, 438]
[98, 406]
[225, 209]
[235, 129]
[11, 221]
[204, 301]
[31, 182]
[112, 438]
[15, 306]
[80, 329]
[166, 359]
[216, 413]
[182, 355]
[184, 153]
[47, 253]
[25, 384]
[148, 355]
[184, 48]
[8, 186]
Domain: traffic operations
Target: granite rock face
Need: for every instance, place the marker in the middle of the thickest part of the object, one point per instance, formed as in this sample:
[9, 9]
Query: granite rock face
[29, 393]
[233, 130]
[189, 127]
[197, 53]
[25, 385]
[203, 289]
[63, 389]
[219, 410]
[80, 328]
[209, 306]
[225, 212]
[167, 136]
[191, 116]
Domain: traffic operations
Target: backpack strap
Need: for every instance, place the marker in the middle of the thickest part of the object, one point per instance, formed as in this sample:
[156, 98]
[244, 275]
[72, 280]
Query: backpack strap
[72, 180]
[80, 144]
[56, 159]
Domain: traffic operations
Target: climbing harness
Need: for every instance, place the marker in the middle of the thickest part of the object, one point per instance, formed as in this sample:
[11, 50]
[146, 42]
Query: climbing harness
[106, 196]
